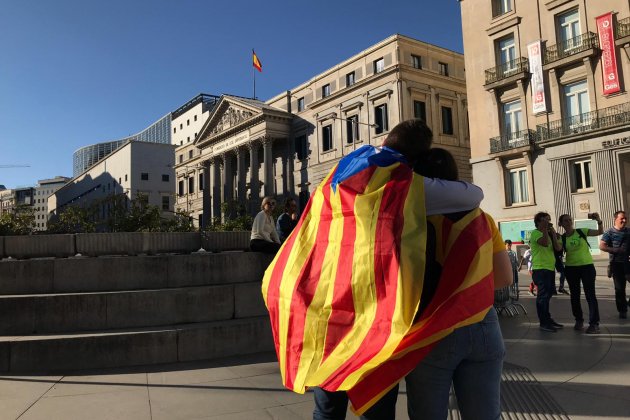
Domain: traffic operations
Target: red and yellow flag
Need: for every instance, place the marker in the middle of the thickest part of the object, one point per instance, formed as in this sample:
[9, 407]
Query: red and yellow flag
[256, 62]
[463, 297]
[345, 287]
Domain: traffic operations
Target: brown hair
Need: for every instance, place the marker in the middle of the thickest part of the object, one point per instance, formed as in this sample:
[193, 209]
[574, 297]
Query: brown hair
[437, 163]
[412, 138]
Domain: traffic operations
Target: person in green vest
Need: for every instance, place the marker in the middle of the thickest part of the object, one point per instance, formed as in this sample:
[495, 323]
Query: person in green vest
[579, 267]
[543, 243]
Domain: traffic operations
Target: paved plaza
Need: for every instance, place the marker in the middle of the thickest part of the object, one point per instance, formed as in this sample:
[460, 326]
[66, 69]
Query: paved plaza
[584, 377]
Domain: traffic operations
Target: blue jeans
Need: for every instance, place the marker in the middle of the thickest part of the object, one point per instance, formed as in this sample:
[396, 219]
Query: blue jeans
[545, 280]
[471, 358]
[333, 405]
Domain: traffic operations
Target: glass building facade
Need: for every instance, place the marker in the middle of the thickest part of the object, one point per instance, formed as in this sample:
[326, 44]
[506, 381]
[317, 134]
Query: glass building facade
[83, 158]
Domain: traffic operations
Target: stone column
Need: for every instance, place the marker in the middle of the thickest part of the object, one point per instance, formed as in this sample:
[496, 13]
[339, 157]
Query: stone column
[268, 168]
[216, 187]
[254, 186]
[228, 184]
[241, 189]
[207, 194]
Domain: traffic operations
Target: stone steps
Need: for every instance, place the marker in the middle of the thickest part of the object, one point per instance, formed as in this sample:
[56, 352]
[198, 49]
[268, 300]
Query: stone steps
[81, 313]
[138, 346]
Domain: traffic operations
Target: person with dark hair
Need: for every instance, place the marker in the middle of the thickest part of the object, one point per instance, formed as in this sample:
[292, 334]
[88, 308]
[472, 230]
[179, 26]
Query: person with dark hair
[544, 243]
[288, 220]
[264, 237]
[616, 241]
[579, 267]
[471, 357]
[514, 262]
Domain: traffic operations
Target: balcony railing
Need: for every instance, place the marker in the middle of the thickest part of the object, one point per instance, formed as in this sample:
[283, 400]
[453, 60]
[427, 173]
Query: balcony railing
[603, 118]
[570, 47]
[623, 28]
[506, 70]
[512, 140]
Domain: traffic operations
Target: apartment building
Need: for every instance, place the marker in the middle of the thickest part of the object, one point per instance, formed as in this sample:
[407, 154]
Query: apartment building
[44, 188]
[546, 83]
[286, 145]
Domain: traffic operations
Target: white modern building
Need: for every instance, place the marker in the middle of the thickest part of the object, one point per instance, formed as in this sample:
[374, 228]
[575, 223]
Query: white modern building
[45, 187]
[137, 167]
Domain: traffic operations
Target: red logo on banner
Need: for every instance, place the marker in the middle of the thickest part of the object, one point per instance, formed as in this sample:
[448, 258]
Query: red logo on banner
[609, 58]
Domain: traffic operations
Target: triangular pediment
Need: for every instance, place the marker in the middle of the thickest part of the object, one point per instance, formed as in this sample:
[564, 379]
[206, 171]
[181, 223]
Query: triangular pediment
[228, 114]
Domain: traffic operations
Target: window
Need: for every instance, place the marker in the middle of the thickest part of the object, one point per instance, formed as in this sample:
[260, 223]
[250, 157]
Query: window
[443, 68]
[165, 202]
[187, 122]
[300, 147]
[420, 110]
[188, 139]
[500, 7]
[143, 176]
[181, 158]
[195, 118]
[181, 126]
[190, 154]
[380, 119]
[350, 79]
[165, 177]
[447, 120]
[180, 188]
[569, 29]
[582, 179]
[326, 90]
[518, 186]
[191, 185]
[379, 65]
[416, 61]
[301, 104]
[352, 129]
[576, 103]
[512, 119]
[507, 55]
[327, 139]
[125, 177]
[174, 130]
[201, 182]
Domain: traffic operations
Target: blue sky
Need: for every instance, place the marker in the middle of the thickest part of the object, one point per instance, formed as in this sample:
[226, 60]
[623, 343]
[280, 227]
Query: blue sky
[79, 72]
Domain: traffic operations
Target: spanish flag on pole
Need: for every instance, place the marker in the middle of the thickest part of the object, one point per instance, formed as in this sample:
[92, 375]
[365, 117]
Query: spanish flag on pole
[343, 290]
[256, 62]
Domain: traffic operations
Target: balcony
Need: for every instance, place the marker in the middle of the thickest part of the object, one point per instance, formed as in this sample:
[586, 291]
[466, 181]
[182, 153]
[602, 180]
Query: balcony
[506, 70]
[570, 47]
[512, 141]
[611, 117]
[622, 29]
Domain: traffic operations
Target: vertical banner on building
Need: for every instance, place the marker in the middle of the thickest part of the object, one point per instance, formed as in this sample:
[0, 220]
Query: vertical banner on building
[538, 84]
[609, 58]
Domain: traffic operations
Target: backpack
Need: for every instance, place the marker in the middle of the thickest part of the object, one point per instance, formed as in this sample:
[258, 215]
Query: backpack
[580, 234]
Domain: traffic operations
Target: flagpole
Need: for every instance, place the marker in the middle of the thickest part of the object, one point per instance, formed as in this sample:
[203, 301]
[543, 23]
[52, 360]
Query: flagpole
[254, 76]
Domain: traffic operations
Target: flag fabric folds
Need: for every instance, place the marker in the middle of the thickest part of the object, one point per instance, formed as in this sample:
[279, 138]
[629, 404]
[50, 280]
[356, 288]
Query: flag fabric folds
[256, 62]
[464, 295]
[344, 288]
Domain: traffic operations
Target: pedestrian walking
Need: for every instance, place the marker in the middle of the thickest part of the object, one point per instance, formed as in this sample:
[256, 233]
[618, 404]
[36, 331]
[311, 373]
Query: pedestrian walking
[515, 266]
[616, 241]
[580, 269]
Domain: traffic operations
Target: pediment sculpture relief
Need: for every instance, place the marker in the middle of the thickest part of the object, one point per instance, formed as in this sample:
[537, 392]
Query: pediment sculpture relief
[231, 117]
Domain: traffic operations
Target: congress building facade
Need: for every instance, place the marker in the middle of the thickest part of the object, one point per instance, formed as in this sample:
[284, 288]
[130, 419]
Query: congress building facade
[247, 148]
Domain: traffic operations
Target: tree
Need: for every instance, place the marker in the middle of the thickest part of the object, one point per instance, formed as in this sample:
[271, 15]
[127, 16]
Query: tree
[73, 219]
[19, 221]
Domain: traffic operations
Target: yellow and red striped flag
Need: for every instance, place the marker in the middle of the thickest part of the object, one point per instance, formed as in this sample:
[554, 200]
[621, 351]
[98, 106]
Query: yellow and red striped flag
[343, 290]
[256, 62]
[464, 295]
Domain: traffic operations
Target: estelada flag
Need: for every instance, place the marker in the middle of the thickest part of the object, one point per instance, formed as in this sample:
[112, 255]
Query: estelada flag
[343, 290]
[464, 294]
[256, 62]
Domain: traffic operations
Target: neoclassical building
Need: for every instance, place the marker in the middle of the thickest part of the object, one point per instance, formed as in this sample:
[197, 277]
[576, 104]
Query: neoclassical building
[286, 145]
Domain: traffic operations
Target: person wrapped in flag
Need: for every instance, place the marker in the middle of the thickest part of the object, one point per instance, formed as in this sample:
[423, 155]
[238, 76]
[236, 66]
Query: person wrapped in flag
[344, 289]
[471, 262]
